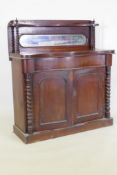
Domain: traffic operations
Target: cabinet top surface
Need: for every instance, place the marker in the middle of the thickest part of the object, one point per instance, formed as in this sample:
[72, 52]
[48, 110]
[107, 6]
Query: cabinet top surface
[60, 54]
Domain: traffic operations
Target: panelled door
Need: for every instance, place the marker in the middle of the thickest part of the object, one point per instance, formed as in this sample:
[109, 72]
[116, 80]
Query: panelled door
[88, 94]
[62, 98]
[52, 98]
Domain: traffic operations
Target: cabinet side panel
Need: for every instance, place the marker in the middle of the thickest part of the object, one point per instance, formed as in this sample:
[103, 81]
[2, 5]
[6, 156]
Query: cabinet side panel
[18, 95]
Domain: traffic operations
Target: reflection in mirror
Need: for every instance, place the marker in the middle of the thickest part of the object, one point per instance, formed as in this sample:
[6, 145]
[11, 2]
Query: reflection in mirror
[53, 40]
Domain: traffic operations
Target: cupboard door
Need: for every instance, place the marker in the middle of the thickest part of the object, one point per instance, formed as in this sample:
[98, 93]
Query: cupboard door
[88, 94]
[52, 99]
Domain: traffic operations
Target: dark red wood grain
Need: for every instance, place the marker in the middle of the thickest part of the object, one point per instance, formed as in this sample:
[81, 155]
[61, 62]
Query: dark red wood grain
[58, 90]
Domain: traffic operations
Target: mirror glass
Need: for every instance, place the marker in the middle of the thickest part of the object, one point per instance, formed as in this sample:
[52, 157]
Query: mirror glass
[53, 40]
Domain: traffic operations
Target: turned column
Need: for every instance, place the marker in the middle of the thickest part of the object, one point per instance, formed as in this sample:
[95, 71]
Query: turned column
[107, 89]
[29, 110]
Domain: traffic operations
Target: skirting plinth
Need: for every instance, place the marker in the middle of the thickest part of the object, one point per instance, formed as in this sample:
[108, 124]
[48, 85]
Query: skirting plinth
[44, 135]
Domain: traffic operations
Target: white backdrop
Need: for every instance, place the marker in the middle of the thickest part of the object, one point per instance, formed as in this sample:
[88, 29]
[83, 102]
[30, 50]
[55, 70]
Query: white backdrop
[103, 11]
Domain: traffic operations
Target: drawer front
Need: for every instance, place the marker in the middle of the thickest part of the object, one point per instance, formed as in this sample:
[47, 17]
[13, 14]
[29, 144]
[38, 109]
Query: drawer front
[69, 62]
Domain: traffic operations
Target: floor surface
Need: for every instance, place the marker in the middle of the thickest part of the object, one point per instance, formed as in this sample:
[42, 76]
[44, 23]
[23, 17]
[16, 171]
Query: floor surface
[88, 153]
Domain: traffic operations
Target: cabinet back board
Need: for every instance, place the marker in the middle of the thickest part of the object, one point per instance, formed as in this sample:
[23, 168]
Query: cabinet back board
[55, 35]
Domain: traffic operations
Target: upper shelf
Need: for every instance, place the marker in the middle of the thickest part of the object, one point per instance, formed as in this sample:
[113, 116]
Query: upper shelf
[52, 23]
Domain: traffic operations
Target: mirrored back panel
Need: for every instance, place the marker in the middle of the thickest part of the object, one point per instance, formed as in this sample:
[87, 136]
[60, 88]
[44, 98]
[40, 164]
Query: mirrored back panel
[36, 36]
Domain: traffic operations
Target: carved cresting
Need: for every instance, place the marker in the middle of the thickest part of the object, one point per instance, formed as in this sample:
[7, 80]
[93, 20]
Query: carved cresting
[29, 111]
[107, 93]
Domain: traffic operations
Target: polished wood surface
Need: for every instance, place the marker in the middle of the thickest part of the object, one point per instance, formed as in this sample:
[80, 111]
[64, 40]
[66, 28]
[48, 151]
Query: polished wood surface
[18, 28]
[58, 90]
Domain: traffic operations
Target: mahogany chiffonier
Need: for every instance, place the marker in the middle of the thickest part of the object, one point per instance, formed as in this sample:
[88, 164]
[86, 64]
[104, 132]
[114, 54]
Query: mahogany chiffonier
[61, 83]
